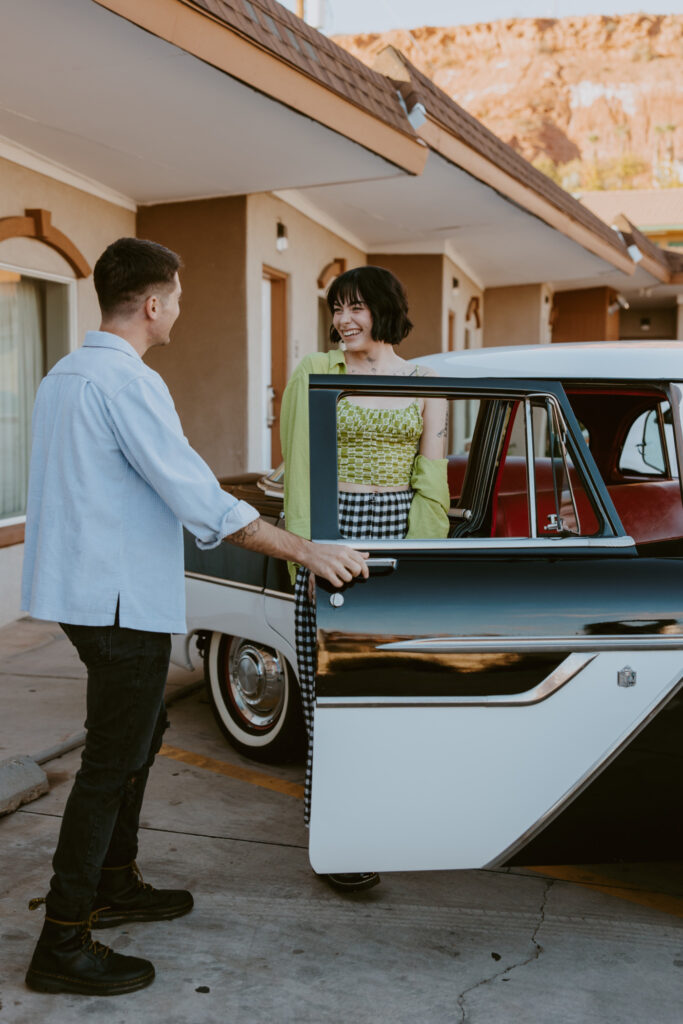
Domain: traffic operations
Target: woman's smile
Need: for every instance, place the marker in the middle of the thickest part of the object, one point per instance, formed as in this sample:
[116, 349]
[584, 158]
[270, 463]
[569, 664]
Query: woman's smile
[353, 321]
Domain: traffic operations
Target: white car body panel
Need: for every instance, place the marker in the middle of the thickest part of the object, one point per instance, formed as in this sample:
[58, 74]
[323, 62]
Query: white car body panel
[487, 768]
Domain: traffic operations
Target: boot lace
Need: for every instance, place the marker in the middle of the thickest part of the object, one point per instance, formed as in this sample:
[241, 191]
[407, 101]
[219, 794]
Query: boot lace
[89, 944]
[139, 881]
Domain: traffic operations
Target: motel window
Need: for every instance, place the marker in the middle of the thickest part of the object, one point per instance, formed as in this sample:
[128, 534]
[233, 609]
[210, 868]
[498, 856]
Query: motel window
[34, 334]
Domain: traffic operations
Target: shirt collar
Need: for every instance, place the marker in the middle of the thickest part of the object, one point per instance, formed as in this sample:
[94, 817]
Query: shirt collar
[103, 339]
[336, 357]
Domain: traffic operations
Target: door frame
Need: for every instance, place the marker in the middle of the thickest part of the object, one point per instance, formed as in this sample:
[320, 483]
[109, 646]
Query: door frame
[277, 375]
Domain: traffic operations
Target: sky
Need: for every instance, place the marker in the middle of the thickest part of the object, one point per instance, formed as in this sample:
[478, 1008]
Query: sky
[349, 16]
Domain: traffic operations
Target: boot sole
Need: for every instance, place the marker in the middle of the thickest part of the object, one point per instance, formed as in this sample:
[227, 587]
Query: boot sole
[38, 982]
[126, 917]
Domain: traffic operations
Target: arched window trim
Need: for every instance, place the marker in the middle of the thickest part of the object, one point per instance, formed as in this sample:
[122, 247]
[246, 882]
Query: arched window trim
[38, 224]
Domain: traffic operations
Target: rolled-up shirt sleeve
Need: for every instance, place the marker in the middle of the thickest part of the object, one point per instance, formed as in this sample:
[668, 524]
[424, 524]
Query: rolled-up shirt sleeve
[149, 432]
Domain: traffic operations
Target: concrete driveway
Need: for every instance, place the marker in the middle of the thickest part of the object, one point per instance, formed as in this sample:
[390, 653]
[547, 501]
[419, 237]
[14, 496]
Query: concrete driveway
[269, 943]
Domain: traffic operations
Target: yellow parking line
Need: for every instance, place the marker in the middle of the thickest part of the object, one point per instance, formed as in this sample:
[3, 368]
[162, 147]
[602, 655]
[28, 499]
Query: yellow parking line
[602, 883]
[234, 771]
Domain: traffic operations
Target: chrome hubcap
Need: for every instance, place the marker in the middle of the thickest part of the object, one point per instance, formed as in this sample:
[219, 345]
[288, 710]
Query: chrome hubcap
[256, 679]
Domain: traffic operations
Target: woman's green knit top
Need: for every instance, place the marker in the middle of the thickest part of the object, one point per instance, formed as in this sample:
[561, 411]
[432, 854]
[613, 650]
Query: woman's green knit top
[377, 446]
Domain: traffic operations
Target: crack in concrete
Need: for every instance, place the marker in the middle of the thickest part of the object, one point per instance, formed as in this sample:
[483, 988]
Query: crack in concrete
[538, 949]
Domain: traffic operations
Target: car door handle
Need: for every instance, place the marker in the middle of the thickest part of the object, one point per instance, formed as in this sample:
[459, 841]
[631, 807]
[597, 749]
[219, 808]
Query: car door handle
[381, 566]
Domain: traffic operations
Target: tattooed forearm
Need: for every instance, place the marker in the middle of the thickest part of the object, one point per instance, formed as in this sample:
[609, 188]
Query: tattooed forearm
[249, 530]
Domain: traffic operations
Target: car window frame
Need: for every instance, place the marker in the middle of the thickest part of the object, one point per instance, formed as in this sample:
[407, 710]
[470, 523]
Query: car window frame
[326, 390]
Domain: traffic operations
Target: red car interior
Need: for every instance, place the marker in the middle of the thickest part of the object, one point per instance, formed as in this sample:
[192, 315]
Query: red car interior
[650, 510]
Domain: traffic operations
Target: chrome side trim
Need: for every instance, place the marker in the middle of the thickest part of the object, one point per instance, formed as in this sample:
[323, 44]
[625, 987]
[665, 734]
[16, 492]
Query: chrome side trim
[280, 594]
[558, 678]
[530, 468]
[580, 785]
[535, 644]
[542, 545]
[240, 586]
[224, 583]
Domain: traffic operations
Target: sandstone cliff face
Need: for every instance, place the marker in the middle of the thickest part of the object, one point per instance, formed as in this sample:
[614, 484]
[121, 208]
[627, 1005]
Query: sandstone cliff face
[594, 101]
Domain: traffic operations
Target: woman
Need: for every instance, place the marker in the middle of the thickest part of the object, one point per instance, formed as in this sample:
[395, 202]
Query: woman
[392, 474]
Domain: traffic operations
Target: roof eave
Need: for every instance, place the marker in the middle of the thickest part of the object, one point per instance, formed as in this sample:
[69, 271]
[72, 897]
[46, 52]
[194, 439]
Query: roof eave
[214, 42]
[652, 258]
[442, 141]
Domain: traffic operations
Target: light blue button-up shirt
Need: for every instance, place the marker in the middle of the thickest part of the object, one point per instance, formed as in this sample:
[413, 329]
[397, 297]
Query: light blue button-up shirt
[112, 482]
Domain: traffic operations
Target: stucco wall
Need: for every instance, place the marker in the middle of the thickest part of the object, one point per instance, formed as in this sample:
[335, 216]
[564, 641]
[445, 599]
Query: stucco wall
[422, 278]
[517, 315]
[458, 304]
[91, 224]
[205, 366]
[663, 323]
[310, 248]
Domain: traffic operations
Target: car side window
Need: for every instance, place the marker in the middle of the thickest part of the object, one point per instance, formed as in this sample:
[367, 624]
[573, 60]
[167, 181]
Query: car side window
[510, 471]
[649, 447]
[551, 501]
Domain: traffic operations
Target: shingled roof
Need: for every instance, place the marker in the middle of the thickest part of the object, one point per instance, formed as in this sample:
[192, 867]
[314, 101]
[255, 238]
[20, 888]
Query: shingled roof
[467, 129]
[662, 263]
[276, 29]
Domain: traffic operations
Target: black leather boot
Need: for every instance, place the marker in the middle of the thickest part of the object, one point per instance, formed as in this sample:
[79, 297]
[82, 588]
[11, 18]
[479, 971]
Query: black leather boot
[122, 896]
[68, 959]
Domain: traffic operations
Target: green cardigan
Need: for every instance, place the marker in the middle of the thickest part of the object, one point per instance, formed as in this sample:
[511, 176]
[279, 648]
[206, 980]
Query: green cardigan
[428, 516]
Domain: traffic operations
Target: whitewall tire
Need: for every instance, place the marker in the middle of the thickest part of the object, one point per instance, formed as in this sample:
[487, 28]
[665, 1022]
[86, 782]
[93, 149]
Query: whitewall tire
[254, 695]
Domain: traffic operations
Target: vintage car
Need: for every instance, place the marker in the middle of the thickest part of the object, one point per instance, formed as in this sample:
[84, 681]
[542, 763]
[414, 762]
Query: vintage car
[505, 695]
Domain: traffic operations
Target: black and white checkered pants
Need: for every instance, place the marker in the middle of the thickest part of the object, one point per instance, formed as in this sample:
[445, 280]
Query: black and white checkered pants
[382, 516]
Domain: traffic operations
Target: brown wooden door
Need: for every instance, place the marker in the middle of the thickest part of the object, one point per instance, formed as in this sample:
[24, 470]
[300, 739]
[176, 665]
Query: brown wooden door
[277, 283]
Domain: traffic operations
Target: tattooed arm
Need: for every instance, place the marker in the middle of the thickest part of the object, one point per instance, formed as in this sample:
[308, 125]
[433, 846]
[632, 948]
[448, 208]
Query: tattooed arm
[335, 563]
[434, 438]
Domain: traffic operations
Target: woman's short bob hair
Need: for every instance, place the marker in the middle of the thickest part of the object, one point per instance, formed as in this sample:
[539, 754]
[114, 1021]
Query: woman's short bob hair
[384, 296]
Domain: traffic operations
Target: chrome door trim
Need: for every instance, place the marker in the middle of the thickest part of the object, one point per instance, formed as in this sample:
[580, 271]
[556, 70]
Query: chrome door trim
[279, 594]
[219, 581]
[534, 644]
[559, 677]
[530, 468]
[543, 545]
[580, 785]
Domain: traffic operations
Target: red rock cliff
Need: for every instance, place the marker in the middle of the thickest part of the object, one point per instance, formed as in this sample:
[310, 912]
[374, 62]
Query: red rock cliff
[594, 101]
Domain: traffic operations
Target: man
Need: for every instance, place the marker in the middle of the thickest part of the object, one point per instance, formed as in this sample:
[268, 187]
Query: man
[112, 482]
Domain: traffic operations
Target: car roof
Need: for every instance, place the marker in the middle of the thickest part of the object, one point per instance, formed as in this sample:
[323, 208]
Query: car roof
[605, 360]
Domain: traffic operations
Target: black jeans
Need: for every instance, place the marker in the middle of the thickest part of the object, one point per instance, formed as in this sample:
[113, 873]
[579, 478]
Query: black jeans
[125, 722]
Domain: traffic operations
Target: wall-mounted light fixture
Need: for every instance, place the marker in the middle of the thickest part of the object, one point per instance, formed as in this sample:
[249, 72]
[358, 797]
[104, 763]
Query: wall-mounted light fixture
[645, 323]
[619, 302]
[417, 116]
[281, 240]
[455, 286]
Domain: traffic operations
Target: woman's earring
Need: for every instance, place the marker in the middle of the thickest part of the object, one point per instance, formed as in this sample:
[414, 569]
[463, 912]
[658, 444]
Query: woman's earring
[342, 345]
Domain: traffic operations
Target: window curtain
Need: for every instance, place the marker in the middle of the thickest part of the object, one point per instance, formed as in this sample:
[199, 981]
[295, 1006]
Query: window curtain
[21, 369]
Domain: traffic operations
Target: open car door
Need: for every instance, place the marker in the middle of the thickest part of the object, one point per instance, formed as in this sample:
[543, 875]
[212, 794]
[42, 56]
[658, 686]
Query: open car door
[472, 687]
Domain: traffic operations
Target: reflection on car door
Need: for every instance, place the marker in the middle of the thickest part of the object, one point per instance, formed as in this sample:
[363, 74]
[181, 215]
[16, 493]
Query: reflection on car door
[471, 687]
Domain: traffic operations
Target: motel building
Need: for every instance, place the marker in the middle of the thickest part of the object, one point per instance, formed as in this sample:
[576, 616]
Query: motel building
[271, 160]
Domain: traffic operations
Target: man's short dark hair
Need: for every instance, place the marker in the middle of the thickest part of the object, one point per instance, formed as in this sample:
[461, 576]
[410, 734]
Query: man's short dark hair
[130, 267]
[384, 296]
